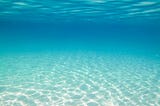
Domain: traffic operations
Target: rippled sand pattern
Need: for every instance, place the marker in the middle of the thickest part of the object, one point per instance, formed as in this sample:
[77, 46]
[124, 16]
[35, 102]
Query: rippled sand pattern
[79, 80]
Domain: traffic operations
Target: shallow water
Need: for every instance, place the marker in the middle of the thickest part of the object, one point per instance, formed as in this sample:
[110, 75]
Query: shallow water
[79, 79]
[79, 53]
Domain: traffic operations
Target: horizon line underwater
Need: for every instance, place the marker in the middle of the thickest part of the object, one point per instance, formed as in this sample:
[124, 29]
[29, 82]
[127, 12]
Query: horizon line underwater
[79, 53]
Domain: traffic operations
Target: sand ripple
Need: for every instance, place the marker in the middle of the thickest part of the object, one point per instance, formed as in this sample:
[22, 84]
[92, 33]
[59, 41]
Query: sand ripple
[82, 79]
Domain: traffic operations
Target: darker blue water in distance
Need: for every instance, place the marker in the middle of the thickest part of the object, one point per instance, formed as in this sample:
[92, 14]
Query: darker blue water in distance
[23, 36]
[99, 25]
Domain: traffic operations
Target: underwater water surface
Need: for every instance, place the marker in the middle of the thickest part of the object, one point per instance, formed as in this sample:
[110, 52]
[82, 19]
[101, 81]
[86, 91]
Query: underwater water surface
[79, 53]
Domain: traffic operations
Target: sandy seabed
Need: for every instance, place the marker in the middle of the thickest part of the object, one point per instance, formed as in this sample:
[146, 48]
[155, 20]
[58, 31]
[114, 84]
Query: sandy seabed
[79, 79]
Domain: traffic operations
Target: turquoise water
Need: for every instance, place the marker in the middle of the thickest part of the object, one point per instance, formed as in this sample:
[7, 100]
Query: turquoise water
[79, 53]
[79, 79]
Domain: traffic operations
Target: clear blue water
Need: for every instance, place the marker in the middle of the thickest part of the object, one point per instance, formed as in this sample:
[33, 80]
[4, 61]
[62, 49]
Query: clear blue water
[79, 53]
